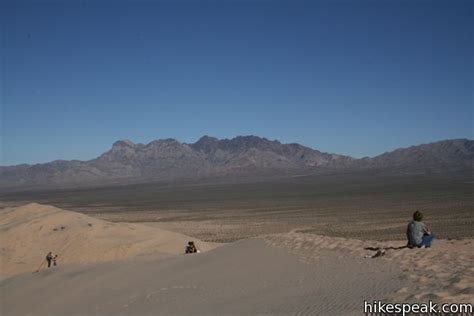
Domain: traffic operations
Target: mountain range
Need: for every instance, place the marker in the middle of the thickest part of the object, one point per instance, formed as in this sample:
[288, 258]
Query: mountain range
[242, 156]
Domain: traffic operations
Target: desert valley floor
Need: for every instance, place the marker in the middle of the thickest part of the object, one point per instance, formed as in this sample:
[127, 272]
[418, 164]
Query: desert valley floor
[358, 205]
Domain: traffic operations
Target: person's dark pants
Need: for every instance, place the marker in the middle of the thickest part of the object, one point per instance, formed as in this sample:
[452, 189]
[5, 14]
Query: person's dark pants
[49, 263]
[427, 240]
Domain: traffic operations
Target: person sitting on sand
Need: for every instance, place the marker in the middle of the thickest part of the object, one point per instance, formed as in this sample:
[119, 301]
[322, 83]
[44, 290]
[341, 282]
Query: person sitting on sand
[418, 233]
[191, 248]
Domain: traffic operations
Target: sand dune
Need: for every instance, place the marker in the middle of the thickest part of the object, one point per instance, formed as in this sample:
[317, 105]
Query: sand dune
[141, 272]
[248, 277]
[442, 273]
[29, 232]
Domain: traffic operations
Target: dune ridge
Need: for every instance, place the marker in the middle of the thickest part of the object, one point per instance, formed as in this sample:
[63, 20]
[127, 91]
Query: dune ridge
[30, 231]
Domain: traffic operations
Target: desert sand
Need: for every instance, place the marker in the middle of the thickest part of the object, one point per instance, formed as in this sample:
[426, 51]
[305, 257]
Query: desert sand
[443, 273]
[29, 232]
[249, 277]
[131, 269]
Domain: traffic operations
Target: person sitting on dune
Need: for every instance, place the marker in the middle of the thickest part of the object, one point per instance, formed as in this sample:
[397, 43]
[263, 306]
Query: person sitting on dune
[418, 233]
[191, 247]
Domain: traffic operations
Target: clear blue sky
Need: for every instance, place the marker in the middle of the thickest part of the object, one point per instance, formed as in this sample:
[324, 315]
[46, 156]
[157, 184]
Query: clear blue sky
[350, 77]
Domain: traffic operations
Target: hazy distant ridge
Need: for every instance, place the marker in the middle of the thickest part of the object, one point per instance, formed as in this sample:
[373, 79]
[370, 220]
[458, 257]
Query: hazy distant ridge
[168, 159]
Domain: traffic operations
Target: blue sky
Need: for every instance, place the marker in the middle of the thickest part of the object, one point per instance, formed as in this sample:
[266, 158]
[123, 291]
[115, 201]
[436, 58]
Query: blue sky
[349, 77]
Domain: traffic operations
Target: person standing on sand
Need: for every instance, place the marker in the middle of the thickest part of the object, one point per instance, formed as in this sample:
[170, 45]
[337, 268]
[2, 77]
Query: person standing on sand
[418, 233]
[49, 258]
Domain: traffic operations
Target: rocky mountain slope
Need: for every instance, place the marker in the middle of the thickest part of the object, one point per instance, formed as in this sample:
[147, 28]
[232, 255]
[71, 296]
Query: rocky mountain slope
[446, 153]
[242, 156]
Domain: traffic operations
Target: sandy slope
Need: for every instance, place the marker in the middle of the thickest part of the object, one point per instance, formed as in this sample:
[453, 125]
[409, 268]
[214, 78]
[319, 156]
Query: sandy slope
[443, 273]
[248, 277]
[28, 232]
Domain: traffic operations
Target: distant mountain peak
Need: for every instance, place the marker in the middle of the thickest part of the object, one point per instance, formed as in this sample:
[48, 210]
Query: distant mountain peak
[206, 144]
[251, 139]
[207, 138]
[124, 143]
[163, 142]
[210, 144]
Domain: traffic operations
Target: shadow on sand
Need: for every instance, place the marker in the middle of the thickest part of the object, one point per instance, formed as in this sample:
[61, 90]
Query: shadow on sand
[385, 248]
